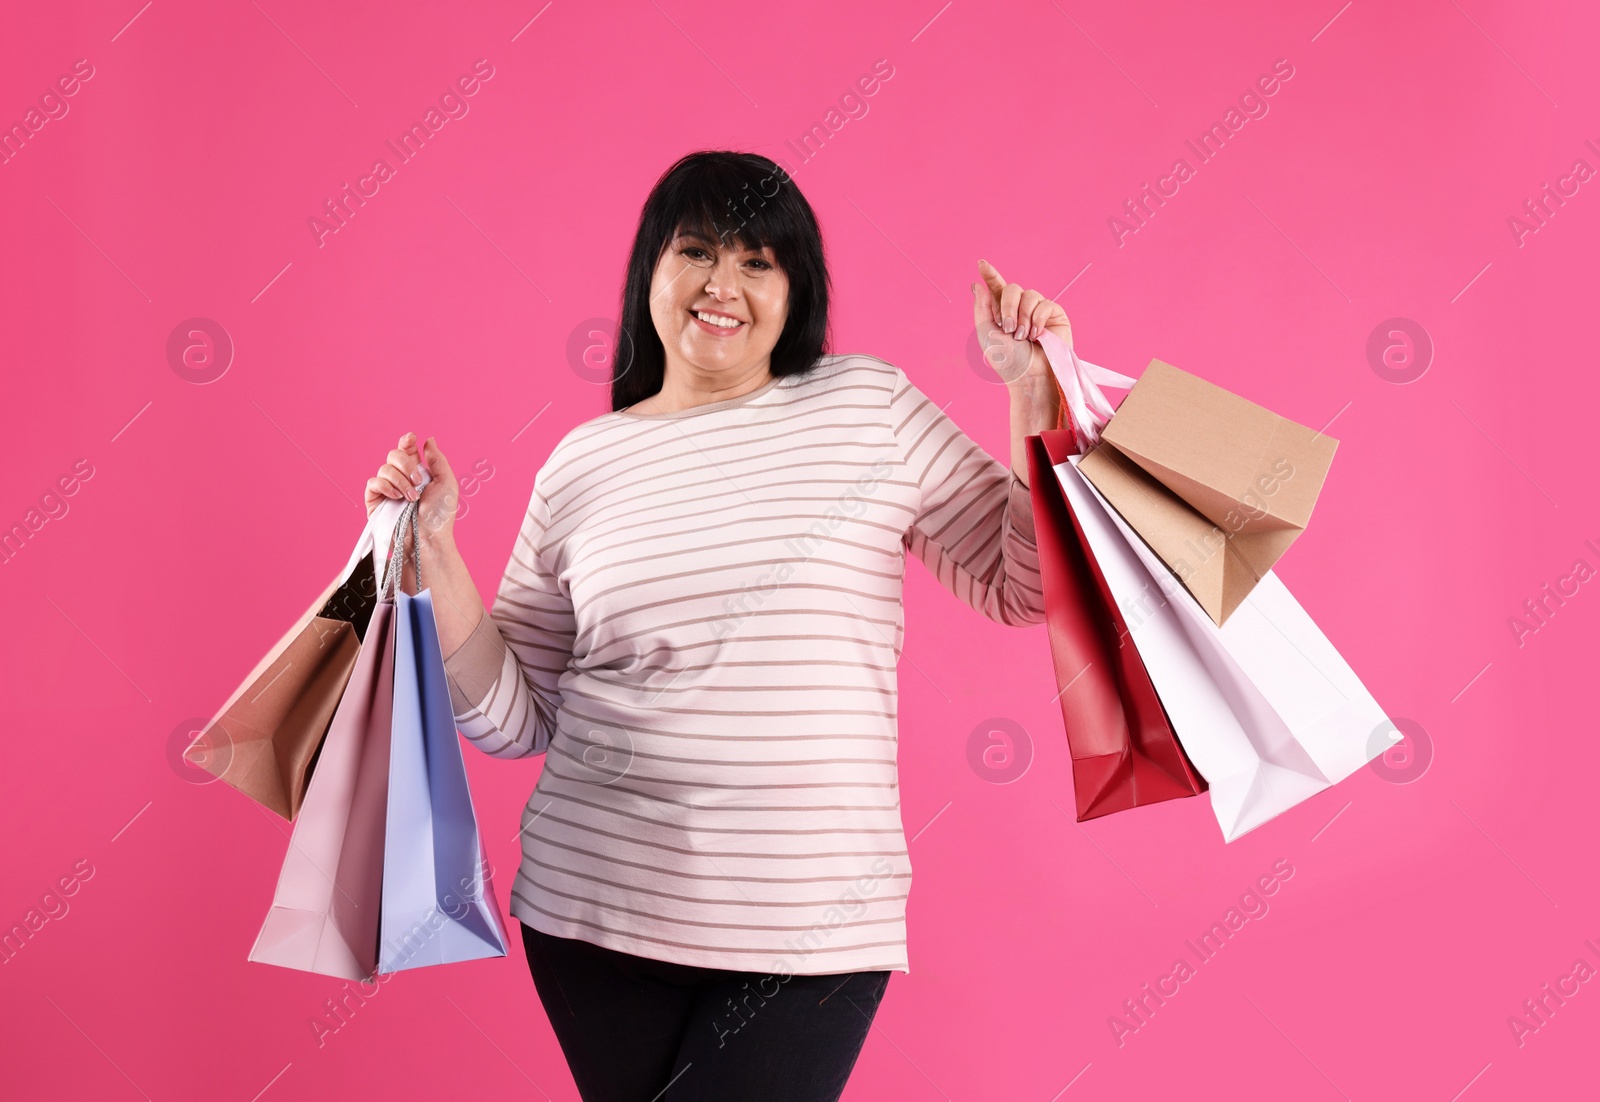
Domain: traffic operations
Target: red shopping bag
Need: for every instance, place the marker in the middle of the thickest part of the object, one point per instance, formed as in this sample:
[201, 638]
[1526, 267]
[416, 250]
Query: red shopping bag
[1124, 753]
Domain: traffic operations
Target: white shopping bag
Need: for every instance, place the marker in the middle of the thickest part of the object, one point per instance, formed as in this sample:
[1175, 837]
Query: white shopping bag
[1265, 707]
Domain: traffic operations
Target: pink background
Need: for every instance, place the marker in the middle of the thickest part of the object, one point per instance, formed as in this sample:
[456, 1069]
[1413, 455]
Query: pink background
[1379, 185]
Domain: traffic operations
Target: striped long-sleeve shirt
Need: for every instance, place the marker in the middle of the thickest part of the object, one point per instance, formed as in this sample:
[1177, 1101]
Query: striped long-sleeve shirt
[699, 627]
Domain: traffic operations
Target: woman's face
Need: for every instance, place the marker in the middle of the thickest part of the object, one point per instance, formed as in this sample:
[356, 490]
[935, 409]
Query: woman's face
[719, 308]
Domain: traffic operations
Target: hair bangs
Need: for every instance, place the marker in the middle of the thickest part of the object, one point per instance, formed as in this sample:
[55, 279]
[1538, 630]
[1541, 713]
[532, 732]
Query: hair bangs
[708, 205]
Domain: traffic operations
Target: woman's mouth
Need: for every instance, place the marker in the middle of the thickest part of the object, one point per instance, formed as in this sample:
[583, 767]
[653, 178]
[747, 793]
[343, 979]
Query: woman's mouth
[718, 325]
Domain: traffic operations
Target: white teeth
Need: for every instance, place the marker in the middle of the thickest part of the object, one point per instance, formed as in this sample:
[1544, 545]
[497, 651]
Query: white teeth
[713, 319]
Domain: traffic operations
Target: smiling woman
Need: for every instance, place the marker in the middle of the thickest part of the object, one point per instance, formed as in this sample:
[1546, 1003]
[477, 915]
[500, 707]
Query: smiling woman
[699, 627]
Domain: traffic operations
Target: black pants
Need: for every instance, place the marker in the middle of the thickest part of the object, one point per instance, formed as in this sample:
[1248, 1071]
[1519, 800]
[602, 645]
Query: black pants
[638, 1030]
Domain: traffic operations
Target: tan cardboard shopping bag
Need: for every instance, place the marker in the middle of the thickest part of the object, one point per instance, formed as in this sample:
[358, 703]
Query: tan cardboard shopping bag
[265, 739]
[1218, 486]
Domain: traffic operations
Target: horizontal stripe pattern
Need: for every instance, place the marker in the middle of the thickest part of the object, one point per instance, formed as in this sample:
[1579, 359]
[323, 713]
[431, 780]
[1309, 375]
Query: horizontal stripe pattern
[699, 626]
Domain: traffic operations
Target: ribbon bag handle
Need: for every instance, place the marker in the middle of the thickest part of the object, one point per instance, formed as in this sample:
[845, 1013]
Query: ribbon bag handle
[1088, 409]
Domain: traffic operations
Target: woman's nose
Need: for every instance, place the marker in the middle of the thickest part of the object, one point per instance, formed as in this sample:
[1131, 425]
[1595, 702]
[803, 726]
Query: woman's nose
[724, 282]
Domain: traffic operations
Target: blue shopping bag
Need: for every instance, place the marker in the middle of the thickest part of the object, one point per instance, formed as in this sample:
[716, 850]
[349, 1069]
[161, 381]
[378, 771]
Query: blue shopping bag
[439, 905]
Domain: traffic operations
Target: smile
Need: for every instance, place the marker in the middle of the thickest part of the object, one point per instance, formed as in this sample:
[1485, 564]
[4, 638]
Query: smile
[720, 324]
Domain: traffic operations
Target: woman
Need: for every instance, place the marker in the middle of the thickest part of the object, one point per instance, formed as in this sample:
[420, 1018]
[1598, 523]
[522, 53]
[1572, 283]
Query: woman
[699, 626]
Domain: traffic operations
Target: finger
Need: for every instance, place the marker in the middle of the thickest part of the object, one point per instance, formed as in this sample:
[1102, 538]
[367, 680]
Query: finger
[1027, 302]
[1059, 324]
[407, 463]
[1009, 297]
[991, 277]
[992, 285]
[982, 307]
[395, 477]
[1040, 316]
[379, 488]
[438, 465]
[408, 442]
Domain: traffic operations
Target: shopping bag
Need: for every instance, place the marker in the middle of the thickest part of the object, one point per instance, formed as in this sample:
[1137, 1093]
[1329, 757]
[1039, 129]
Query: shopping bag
[1264, 706]
[264, 739]
[1123, 751]
[325, 909]
[1217, 486]
[438, 900]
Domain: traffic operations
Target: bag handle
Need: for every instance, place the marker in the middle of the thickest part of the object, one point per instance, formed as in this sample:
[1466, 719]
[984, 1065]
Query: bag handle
[377, 535]
[1088, 409]
[392, 569]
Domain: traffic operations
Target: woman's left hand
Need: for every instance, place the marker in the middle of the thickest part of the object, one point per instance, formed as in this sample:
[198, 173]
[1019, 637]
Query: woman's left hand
[1009, 319]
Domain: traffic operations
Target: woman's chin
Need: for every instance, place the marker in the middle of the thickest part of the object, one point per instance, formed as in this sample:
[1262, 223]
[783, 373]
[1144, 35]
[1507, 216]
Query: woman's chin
[715, 353]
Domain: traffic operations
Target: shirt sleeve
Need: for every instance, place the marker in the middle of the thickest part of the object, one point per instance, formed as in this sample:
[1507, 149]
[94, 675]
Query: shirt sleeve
[504, 680]
[974, 523]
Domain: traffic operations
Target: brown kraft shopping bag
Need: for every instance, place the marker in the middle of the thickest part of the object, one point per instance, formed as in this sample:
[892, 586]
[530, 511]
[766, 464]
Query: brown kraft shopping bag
[264, 739]
[1218, 486]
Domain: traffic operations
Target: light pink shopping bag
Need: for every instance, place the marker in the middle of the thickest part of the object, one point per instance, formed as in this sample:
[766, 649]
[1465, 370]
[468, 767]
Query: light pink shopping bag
[325, 912]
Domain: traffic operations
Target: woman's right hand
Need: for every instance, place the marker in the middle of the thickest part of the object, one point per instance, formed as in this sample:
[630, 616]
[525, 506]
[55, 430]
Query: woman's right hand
[457, 606]
[398, 480]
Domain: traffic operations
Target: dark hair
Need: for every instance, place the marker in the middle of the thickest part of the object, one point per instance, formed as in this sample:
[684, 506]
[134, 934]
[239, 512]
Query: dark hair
[724, 196]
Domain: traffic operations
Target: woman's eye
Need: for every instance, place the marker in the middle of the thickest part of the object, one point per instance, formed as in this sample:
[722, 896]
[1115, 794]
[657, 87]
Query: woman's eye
[697, 255]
